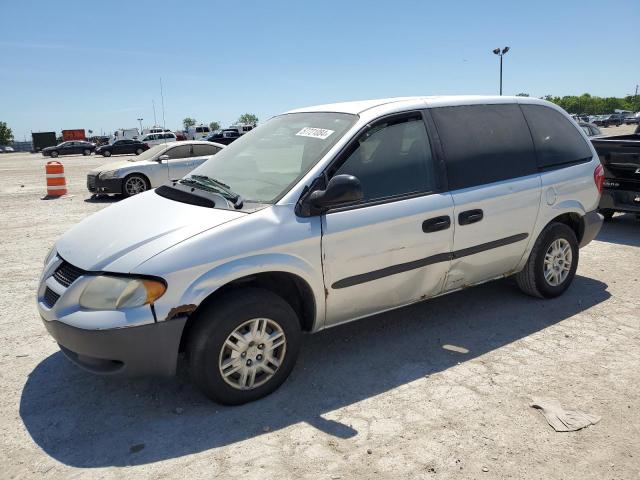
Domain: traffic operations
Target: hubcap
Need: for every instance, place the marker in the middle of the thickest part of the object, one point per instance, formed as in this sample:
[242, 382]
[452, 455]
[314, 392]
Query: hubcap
[135, 185]
[252, 354]
[557, 262]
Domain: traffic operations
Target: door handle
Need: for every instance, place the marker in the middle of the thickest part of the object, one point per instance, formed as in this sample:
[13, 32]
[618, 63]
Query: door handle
[470, 216]
[436, 224]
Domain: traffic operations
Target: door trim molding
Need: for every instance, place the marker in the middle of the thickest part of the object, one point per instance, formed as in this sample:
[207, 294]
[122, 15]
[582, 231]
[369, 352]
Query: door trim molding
[423, 262]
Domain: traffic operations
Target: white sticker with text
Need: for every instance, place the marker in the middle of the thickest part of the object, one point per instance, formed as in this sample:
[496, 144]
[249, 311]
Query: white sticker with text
[321, 133]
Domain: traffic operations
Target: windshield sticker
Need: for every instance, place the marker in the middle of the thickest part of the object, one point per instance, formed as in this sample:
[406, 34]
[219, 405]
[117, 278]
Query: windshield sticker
[321, 133]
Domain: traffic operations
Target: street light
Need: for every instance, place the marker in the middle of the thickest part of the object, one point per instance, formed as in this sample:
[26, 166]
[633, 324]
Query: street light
[501, 53]
[140, 121]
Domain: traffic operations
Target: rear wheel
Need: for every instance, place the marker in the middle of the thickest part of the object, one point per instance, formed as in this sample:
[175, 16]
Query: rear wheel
[244, 346]
[134, 184]
[86, 152]
[106, 153]
[552, 263]
[139, 151]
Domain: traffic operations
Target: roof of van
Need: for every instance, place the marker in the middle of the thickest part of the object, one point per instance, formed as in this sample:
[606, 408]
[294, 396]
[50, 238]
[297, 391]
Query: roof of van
[357, 107]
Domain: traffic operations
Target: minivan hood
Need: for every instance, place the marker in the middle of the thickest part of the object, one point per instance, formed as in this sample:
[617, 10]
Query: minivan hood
[125, 234]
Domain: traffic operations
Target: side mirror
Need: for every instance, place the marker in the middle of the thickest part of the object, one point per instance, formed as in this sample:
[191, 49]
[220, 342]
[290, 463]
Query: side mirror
[341, 190]
[162, 157]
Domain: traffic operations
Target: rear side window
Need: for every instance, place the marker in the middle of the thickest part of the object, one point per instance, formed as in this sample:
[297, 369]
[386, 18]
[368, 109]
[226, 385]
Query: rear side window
[484, 144]
[202, 150]
[557, 140]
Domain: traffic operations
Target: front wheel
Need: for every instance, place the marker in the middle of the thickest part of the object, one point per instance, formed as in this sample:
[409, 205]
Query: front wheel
[54, 154]
[139, 151]
[552, 263]
[134, 184]
[243, 347]
[106, 153]
[86, 152]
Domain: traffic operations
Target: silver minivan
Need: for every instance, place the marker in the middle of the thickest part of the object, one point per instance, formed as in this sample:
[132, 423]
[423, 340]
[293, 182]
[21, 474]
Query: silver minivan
[321, 216]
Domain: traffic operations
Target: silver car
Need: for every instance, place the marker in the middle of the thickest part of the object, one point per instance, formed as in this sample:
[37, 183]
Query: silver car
[322, 216]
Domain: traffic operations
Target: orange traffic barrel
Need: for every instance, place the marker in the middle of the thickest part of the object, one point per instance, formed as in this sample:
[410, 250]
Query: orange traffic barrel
[56, 184]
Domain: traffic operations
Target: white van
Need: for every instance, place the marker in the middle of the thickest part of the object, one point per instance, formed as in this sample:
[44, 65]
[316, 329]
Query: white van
[125, 133]
[152, 139]
[155, 129]
[198, 132]
[322, 216]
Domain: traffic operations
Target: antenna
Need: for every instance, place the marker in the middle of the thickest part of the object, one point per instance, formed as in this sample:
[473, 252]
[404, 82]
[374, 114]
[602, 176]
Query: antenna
[164, 125]
[155, 122]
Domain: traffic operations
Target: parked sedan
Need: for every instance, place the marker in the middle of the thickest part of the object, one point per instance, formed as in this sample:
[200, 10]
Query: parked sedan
[6, 149]
[608, 120]
[122, 147]
[75, 147]
[224, 137]
[632, 118]
[590, 129]
[151, 168]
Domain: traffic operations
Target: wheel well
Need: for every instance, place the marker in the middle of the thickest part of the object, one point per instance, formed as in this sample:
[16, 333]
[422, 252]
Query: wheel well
[293, 289]
[573, 221]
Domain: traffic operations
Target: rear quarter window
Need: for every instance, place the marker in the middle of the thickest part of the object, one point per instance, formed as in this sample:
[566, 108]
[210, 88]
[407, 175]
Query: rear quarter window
[557, 141]
[484, 144]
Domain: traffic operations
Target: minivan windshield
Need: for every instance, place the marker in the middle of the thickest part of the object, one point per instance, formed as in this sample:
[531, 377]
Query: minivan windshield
[264, 163]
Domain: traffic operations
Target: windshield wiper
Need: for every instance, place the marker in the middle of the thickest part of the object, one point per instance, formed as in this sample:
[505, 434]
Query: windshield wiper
[215, 186]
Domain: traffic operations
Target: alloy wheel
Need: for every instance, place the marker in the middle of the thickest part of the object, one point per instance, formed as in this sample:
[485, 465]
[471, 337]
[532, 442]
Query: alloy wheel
[557, 262]
[252, 354]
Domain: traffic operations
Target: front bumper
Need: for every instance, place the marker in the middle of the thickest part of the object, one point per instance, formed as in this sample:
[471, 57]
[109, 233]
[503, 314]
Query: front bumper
[620, 200]
[142, 350]
[591, 223]
[96, 185]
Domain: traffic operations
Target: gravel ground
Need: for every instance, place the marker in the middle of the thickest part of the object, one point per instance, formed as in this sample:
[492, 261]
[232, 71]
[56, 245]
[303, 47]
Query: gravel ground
[376, 398]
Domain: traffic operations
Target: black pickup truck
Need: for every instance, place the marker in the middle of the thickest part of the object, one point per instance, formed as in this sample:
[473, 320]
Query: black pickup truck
[620, 157]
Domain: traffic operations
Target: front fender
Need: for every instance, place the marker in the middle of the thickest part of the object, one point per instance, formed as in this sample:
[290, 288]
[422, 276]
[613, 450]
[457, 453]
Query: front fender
[221, 275]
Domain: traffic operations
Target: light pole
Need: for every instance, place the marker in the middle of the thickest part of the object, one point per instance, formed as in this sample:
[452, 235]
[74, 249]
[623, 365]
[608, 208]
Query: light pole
[140, 122]
[501, 53]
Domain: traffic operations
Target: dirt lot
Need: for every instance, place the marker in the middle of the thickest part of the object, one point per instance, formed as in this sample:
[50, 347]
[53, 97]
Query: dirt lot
[376, 398]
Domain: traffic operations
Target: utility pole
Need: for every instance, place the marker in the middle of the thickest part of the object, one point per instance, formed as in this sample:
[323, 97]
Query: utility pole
[155, 122]
[501, 53]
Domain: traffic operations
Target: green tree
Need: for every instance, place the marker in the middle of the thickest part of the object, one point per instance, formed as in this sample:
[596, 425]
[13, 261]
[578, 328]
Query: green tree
[214, 126]
[6, 135]
[248, 119]
[188, 122]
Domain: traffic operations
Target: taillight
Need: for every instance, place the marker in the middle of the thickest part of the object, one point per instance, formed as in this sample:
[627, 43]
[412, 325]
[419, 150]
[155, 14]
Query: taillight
[598, 177]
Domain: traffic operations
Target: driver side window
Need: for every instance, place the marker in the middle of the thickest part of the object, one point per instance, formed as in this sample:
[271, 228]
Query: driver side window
[391, 159]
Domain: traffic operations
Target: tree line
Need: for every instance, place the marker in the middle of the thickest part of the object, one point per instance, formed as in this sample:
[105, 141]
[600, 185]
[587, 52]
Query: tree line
[593, 105]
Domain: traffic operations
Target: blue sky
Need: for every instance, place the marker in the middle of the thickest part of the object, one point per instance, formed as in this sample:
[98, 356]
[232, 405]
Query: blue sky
[96, 65]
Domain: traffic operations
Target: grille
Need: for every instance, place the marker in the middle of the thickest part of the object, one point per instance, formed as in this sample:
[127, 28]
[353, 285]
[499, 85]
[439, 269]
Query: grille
[91, 183]
[66, 274]
[50, 297]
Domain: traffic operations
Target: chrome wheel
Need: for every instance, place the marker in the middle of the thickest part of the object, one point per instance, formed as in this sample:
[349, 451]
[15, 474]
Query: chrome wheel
[134, 185]
[557, 262]
[252, 354]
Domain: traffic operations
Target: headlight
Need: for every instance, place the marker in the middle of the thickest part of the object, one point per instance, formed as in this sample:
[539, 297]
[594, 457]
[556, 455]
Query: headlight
[108, 174]
[50, 255]
[105, 292]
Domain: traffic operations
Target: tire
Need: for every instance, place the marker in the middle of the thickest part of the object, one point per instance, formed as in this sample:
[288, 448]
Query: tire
[139, 151]
[106, 153]
[531, 279]
[134, 184]
[607, 213]
[86, 152]
[54, 154]
[207, 346]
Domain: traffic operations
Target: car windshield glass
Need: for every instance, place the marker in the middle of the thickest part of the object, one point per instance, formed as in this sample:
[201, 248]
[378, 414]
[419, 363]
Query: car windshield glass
[264, 163]
[149, 154]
